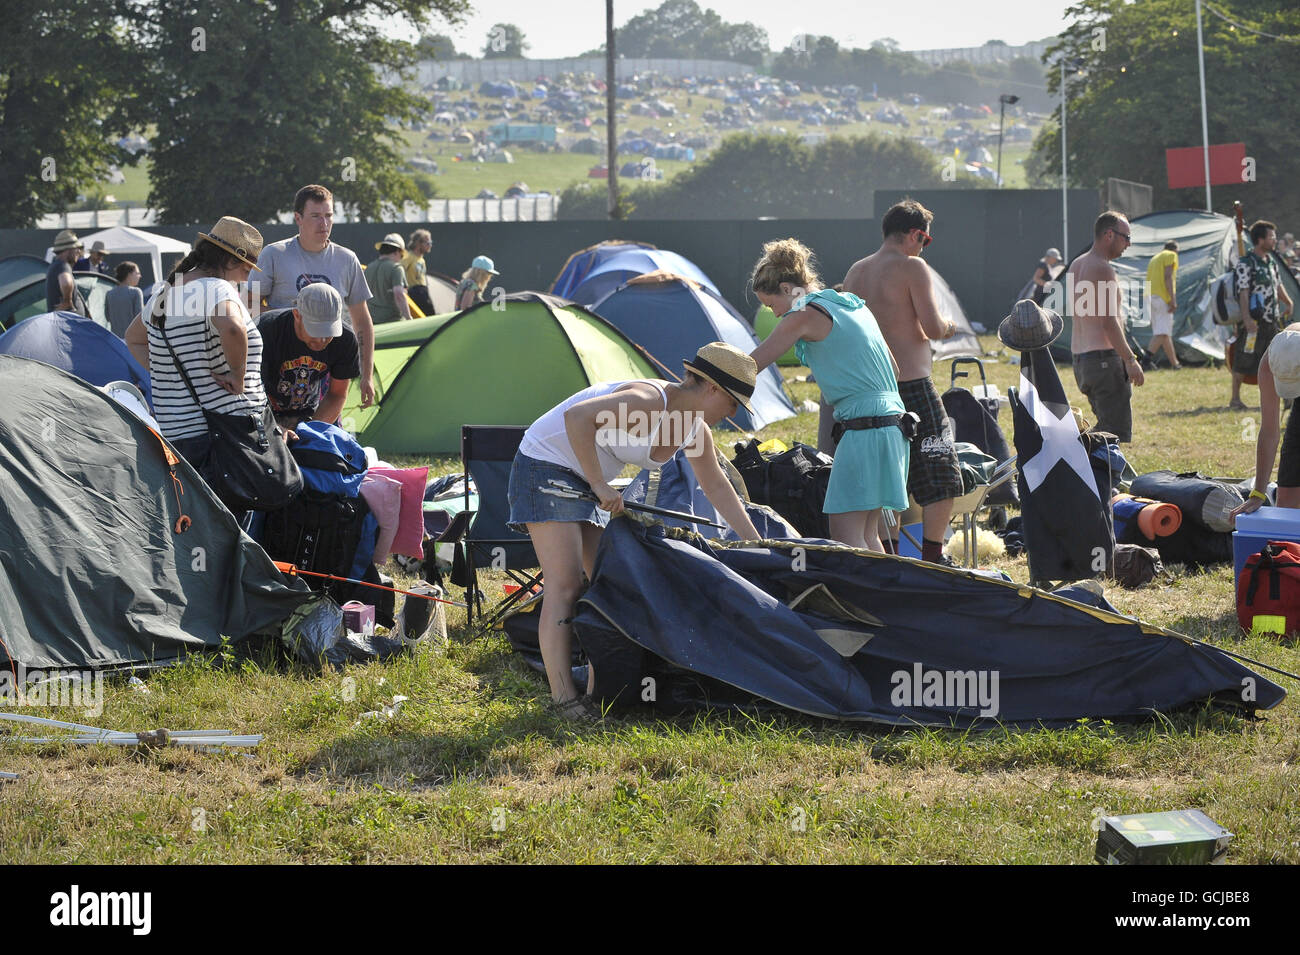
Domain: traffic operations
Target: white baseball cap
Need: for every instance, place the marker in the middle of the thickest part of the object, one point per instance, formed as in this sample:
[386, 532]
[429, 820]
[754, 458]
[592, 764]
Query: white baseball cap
[1284, 362]
[321, 308]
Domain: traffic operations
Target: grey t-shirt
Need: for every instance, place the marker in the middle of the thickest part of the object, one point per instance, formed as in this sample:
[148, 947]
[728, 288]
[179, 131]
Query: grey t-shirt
[286, 267]
[123, 304]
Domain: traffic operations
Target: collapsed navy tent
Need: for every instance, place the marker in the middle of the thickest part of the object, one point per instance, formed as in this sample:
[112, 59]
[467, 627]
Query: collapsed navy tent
[93, 570]
[708, 625]
[672, 318]
[78, 346]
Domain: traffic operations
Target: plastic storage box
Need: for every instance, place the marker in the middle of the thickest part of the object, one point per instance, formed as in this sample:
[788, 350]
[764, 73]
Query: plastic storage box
[1255, 530]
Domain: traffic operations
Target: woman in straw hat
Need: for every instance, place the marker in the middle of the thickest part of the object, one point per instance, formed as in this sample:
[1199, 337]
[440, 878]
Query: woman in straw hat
[584, 442]
[835, 334]
[212, 334]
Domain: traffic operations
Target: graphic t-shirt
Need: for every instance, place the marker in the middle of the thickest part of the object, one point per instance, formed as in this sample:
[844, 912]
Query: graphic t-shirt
[296, 377]
[286, 267]
[1260, 279]
[384, 275]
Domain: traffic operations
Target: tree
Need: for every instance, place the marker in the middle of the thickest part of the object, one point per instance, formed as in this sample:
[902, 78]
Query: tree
[505, 41]
[439, 46]
[1135, 94]
[680, 29]
[58, 119]
[252, 101]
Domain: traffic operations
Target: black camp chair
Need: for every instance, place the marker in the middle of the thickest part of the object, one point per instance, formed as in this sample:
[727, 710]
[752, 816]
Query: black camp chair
[486, 452]
[975, 421]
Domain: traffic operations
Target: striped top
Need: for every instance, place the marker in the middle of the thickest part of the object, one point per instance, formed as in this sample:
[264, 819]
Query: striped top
[198, 346]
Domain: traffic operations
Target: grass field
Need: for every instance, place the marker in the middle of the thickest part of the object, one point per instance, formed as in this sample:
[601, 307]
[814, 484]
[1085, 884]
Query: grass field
[552, 172]
[474, 768]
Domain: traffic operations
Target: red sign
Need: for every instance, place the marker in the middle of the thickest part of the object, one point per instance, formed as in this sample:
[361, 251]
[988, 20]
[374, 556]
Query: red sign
[1186, 166]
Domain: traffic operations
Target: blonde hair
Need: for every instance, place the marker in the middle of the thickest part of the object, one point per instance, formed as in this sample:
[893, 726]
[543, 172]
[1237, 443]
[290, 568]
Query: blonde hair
[481, 277]
[786, 260]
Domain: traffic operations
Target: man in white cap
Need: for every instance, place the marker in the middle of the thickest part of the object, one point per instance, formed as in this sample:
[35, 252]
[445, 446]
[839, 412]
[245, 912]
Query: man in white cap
[60, 288]
[1279, 377]
[1045, 272]
[387, 281]
[303, 348]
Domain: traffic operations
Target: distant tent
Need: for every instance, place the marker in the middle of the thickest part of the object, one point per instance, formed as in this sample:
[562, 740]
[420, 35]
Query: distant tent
[442, 292]
[79, 347]
[93, 572]
[1207, 247]
[671, 318]
[614, 271]
[962, 343]
[502, 362]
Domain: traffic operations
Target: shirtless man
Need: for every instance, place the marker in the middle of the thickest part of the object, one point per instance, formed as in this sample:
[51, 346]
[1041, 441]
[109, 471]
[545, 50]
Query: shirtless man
[894, 281]
[1105, 368]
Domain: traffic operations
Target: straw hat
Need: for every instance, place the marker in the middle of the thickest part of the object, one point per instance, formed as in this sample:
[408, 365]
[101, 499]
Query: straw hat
[727, 367]
[392, 239]
[237, 237]
[1030, 326]
[67, 239]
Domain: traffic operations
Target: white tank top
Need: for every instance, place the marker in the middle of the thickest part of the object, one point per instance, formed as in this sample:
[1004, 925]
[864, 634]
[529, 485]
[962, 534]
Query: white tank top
[547, 439]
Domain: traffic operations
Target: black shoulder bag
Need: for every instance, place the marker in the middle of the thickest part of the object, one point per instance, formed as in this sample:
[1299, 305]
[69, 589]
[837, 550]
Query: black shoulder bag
[248, 465]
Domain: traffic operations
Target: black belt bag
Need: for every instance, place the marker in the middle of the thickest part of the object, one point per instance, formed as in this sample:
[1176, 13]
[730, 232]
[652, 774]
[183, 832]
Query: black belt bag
[908, 422]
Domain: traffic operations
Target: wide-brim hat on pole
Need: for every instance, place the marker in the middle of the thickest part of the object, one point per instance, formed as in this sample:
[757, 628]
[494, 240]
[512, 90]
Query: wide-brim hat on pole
[1030, 326]
[728, 367]
[392, 239]
[67, 239]
[237, 237]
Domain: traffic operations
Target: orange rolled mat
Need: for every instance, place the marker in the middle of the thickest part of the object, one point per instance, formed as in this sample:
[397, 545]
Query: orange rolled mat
[1157, 518]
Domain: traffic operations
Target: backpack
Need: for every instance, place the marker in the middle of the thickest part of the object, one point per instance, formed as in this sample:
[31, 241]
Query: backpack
[792, 483]
[1224, 307]
[328, 528]
[1270, 586]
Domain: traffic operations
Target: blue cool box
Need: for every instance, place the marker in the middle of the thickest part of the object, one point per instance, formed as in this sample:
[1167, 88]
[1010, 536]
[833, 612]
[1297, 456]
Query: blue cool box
[1255, 530]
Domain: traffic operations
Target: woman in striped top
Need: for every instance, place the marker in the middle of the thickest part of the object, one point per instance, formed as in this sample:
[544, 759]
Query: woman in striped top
[212, 334]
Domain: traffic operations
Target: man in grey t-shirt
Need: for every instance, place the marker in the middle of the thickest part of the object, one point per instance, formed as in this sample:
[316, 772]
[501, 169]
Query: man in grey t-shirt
[289, 265]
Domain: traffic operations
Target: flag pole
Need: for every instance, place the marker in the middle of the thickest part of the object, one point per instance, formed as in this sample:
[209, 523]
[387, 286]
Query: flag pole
[1205, 123]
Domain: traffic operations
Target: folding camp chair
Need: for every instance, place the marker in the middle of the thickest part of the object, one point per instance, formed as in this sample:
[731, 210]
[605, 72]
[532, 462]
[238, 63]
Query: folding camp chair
[487, 452]
[967, 507]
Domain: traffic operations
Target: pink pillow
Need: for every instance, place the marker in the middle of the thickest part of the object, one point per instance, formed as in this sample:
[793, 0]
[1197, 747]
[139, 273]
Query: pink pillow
[409, 541]
[384, 495]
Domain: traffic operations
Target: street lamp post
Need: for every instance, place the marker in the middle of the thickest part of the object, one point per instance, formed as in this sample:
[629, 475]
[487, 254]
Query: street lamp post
[1065, 196]
[1005, 100]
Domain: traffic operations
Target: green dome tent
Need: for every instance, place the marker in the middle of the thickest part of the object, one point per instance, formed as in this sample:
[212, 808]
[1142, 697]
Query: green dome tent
[501, 362]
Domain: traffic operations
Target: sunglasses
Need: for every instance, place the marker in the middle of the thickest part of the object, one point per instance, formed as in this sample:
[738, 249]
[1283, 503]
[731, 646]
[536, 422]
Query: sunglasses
[1126, 236]
[926, 238]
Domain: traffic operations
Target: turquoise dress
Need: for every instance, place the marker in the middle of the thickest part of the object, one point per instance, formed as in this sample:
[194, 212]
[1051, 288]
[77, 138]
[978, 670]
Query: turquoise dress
[852, 367]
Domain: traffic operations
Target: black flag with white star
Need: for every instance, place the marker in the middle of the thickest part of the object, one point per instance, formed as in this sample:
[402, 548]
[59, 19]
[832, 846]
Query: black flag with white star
[1064, 500]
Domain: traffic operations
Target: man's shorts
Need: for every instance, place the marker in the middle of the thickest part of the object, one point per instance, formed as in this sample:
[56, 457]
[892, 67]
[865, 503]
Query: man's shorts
[1288, 468]
[1247, 362]
[932, 474]
[1162, 317]
[1102, 378]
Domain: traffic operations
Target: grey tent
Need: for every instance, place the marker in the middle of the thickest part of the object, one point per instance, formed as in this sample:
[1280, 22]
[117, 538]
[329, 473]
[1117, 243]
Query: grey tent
[93, 569]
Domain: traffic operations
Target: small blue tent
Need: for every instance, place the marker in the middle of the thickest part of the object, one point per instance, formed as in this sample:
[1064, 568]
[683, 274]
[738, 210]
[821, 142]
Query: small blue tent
[635, 258]
[616, 270]
[671, 318]
[78, 346]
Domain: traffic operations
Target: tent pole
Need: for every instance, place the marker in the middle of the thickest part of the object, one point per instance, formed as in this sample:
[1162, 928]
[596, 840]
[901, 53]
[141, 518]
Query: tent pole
[1205, 127]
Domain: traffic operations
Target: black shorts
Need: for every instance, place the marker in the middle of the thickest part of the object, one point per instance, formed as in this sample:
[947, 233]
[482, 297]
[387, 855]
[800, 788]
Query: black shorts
[1247, 362]
[932, 474]
[1288, 469]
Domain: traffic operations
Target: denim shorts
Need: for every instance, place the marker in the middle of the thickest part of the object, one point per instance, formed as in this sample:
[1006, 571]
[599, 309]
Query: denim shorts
[528, 505]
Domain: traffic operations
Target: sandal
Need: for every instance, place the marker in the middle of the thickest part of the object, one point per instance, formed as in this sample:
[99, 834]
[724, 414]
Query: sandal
[580, 709]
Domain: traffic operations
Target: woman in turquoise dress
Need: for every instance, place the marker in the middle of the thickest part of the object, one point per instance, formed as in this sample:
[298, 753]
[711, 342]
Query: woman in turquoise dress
[835, 334]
